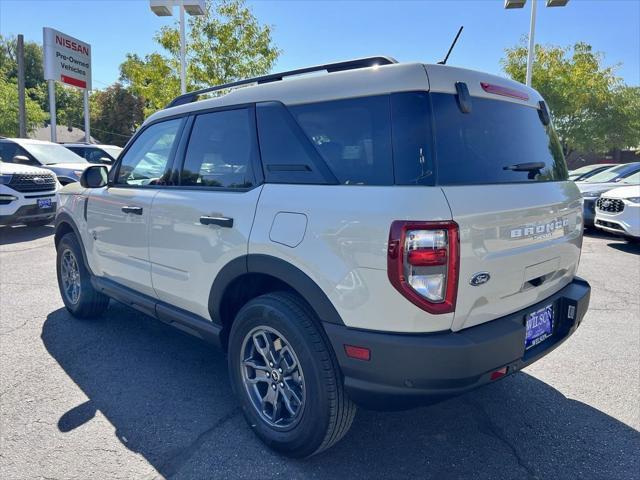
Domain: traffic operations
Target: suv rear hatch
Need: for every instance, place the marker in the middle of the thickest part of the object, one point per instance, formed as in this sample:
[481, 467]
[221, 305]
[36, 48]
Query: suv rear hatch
[520, 221]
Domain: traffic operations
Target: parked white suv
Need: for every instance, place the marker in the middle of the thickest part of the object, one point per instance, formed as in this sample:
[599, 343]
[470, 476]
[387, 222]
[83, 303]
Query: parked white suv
[618, 210]
[386, 234]
[27, 195]
[37, 153]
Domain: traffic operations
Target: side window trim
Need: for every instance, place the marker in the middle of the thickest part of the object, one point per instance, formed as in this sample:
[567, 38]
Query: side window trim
[318, 162]
[115, 170]
[181, 149]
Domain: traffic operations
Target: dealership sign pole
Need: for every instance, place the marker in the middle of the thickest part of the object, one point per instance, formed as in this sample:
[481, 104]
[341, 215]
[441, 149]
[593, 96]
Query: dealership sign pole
[66, 60]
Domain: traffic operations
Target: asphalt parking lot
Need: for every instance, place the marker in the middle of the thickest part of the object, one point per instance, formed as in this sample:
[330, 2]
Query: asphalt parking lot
[127, 397]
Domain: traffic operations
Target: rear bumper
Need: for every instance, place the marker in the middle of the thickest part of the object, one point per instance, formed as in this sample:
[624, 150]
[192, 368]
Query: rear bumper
[410, 370]
[28, 213]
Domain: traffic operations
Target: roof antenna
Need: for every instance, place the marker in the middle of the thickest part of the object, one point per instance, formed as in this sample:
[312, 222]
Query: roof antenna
[444, 62]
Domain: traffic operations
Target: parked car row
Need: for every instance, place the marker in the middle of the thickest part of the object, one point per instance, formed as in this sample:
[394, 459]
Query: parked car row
[582, 173]
[32, 171]
[611, 198]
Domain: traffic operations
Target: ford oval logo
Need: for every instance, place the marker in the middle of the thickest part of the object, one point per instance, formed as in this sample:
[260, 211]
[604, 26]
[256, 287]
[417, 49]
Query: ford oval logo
[479, 278]
[39, 180]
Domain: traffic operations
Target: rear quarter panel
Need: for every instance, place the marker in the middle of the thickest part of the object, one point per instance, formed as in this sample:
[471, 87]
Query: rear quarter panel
[344, 247]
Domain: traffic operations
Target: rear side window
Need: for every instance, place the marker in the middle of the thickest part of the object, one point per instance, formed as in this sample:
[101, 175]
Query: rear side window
[353, 137]
[287, 155]
[220, 151]
[483, 146]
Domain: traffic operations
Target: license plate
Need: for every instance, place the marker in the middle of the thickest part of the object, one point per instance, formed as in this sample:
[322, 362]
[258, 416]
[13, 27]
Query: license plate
[539, 326]
[44, 203]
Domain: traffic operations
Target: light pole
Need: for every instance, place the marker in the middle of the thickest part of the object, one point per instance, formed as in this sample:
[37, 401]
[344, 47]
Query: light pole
[164, 8]
[508, 4]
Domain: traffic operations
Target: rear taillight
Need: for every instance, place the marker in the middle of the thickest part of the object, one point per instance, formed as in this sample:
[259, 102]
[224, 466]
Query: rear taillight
[422, 263]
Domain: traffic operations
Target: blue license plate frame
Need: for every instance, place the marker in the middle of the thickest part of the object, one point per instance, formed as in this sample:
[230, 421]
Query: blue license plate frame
[44, 203]
[538, 326]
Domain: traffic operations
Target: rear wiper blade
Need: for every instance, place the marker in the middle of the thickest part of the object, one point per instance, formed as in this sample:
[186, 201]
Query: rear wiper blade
[525, 167]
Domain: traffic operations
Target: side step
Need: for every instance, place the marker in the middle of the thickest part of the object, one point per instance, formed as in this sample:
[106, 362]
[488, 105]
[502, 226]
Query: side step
[174, 316]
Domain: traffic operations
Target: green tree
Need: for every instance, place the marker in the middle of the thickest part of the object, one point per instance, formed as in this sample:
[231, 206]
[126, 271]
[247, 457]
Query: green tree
[69, 102]
[9, 110]
[34, 78]
[33, 67]
[591, 107]
[227, 43]
[115, 114]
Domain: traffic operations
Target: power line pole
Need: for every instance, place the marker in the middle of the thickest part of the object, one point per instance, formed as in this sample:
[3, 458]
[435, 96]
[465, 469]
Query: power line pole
[22, 113]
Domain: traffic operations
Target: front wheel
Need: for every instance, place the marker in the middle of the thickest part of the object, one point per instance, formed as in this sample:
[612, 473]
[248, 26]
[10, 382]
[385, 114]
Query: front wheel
[286, 377]
[74, 281]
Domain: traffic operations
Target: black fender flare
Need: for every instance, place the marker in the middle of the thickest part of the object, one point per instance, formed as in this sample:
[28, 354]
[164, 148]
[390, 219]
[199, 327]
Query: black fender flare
[65, 218]
[277, 268]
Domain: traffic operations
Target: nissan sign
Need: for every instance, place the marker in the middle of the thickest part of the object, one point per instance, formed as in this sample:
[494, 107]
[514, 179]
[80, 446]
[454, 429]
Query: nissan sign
[66, 59]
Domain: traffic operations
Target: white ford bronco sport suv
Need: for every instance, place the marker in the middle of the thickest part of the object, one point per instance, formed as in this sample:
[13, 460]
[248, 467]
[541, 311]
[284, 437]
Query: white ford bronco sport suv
[384, 234]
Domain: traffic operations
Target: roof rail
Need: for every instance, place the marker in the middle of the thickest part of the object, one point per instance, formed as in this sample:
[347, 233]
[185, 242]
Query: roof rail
[274, 77]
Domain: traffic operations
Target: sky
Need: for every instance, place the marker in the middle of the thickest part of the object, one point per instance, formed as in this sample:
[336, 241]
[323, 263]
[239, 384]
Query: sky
[312, 32]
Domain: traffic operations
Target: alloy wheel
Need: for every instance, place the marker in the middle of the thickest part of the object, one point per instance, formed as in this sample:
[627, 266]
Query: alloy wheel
[272, 377]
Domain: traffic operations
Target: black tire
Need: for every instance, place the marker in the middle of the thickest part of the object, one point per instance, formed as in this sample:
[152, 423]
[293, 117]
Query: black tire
[89, 303]
[39, 223]
[327, 412]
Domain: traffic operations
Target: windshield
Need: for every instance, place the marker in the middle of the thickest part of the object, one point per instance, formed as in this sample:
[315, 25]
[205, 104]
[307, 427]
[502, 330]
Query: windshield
[585, 169]
[113, 151]
[633, 179]
[614, 173]
[51, 153]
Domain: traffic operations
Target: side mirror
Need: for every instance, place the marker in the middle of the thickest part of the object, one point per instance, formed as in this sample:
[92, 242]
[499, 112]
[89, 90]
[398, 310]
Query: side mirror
[23, 159]
[94, 176]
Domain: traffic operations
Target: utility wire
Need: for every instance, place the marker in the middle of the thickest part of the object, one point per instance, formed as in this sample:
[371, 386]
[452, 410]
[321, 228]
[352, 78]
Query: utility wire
[103, 131]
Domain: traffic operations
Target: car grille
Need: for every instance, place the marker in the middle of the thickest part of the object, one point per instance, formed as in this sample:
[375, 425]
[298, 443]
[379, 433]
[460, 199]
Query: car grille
[610, 205]
[33, 182]
[612, 225]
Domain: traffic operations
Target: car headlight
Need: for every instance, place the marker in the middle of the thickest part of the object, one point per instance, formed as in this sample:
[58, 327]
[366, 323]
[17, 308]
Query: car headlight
[590, 194]
[635, 200]
[5, 179]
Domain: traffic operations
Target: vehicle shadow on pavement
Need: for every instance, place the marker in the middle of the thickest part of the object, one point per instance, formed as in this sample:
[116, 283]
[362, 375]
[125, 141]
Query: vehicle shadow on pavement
[629, 247]
[168, 397]
[619, 243]
[19, 234]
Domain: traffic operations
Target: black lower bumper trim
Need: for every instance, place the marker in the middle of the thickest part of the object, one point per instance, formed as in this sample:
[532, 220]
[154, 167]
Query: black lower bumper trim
[28, 213]
[406, 370]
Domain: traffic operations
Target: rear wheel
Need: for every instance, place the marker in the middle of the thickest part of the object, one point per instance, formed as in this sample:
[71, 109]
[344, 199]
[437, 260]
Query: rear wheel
[286, 377]
[74, 281]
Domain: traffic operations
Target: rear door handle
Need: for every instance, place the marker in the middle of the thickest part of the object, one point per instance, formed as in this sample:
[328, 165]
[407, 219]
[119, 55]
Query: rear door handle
[220, 221]
[134, 210]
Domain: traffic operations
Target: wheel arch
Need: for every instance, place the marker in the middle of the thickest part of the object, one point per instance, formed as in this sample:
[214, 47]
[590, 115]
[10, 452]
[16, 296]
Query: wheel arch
[252, 275]
[65, 224]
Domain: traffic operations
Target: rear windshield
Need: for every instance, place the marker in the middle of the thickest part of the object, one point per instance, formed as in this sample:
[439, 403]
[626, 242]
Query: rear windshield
[486, 145]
